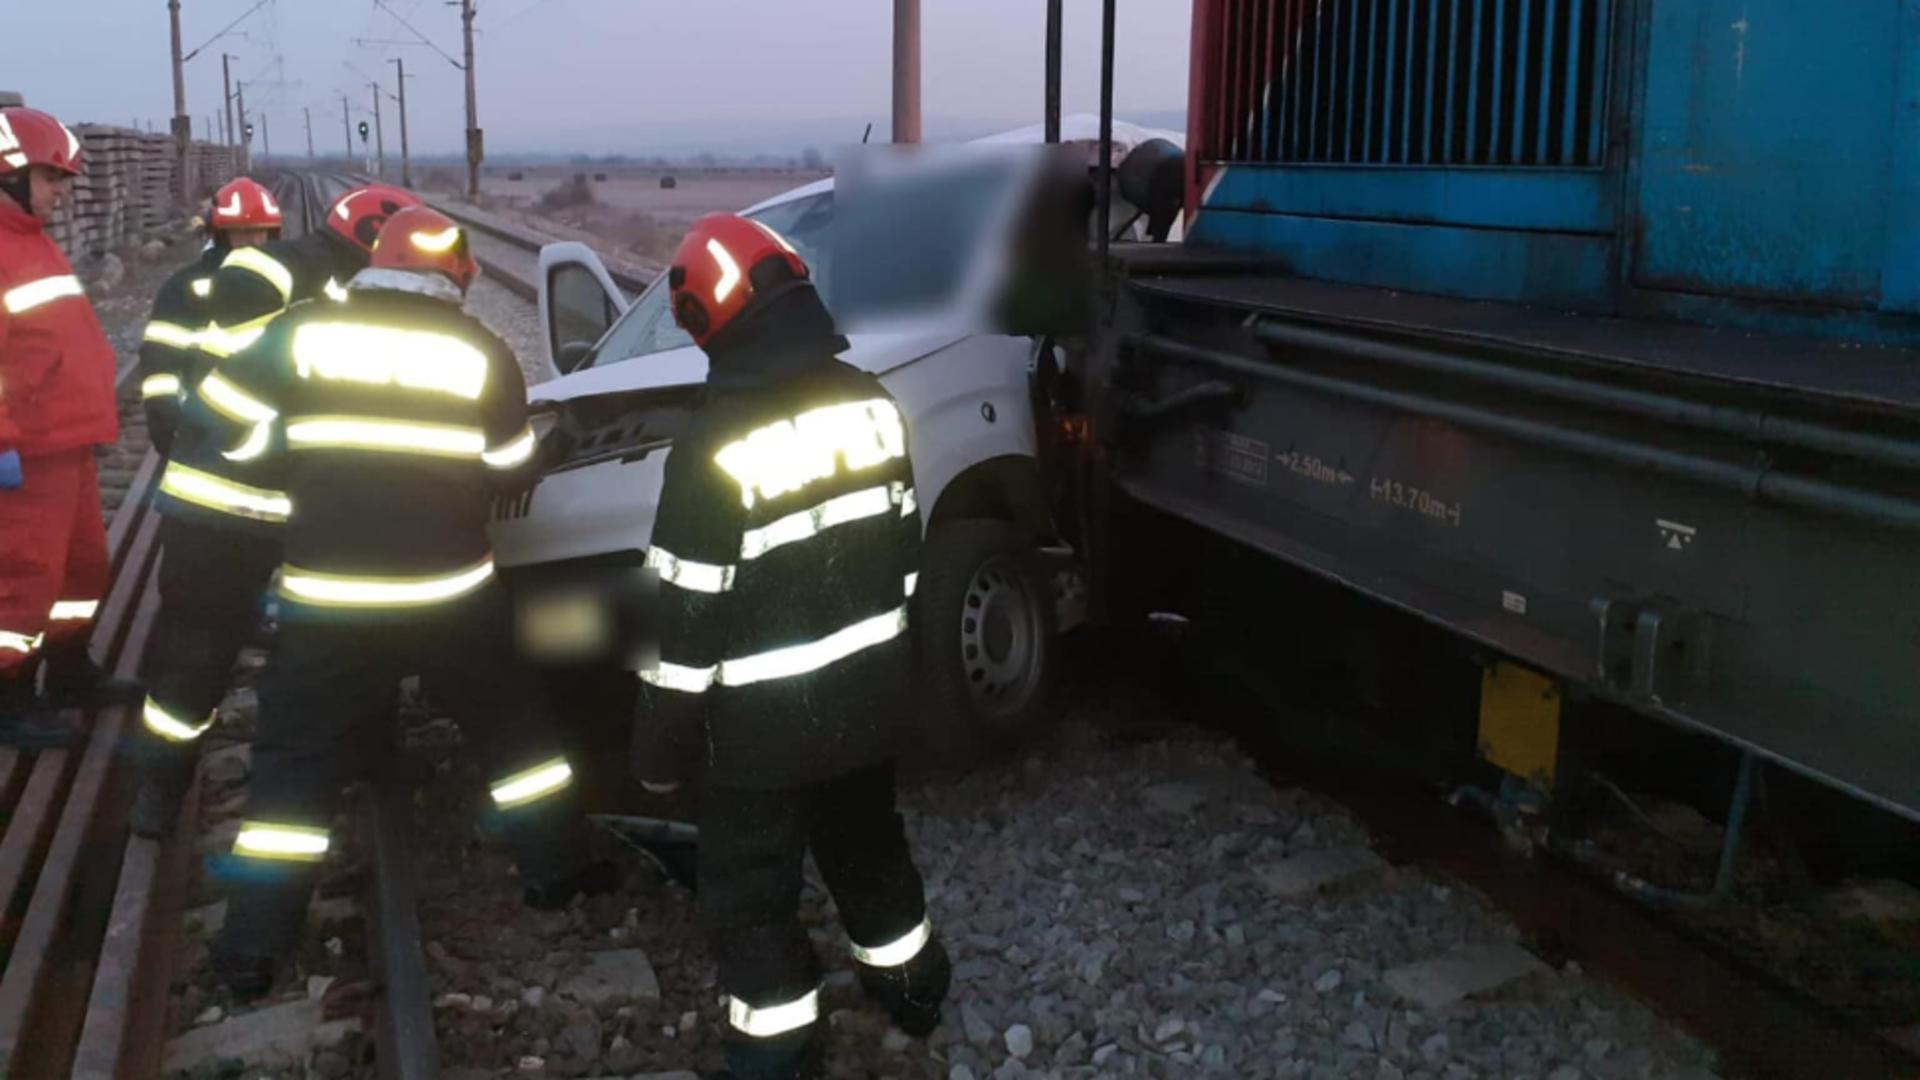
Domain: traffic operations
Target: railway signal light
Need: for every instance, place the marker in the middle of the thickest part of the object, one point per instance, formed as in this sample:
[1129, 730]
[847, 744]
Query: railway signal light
[363, 131]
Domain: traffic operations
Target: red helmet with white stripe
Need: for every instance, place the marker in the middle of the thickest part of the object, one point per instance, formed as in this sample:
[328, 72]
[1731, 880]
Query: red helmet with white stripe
[245, 203]
[421, 238]
[727, 265]
[31, 137]
[360, 214]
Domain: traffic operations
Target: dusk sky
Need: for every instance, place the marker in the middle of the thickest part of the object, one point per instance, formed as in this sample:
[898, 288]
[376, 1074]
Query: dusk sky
[597, 76]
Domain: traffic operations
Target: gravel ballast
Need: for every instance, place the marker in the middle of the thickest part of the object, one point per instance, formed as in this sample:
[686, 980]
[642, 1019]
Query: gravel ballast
[1130, 899]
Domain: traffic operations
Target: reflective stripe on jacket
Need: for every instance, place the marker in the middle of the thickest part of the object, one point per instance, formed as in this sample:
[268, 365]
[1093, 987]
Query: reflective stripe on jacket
[57, 367]
[391, 420]
[785, 539]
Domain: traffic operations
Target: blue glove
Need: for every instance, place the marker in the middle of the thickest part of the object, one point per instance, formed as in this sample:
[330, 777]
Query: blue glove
[10, 476]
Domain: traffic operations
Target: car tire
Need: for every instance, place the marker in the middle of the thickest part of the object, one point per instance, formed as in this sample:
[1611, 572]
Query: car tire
[984, 615]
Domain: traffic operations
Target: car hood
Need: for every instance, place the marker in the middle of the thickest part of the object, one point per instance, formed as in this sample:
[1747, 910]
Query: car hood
[877, 352]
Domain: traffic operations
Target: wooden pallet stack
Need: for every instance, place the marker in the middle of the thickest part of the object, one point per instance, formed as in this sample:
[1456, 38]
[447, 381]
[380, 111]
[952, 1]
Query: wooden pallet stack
[127, 191]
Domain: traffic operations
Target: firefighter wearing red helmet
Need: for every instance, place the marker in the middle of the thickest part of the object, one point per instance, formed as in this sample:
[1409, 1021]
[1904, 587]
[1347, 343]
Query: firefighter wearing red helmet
[222, 534]
[787, 546]
[393, 420]
[56, 404]
[242, 214]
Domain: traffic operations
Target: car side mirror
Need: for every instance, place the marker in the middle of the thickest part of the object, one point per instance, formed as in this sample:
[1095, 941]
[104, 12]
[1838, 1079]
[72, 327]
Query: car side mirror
[573, 356]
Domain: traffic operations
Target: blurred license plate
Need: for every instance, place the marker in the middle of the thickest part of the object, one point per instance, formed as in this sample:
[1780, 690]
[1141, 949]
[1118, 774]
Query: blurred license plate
[565, 624]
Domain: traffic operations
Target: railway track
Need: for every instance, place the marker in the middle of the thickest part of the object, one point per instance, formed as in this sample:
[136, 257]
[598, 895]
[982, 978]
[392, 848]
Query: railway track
[508, 255]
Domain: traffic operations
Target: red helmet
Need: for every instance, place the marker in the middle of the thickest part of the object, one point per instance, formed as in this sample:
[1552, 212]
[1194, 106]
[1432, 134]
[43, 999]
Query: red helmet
[31, 137]
[244, 204]
[725, 266]
[424, 239]
[359, 214]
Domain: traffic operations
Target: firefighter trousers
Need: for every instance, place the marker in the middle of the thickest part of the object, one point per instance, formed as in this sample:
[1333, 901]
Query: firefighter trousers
[53, 557]
[752, 844]
[213, 584]
[325, 700]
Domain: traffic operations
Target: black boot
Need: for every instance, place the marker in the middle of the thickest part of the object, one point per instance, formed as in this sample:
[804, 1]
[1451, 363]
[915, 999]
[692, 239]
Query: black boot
[156, 807]
[75, 681]
[798, 1055]
[593, 879]
[913, 992]
[247, 978]
[31, 722]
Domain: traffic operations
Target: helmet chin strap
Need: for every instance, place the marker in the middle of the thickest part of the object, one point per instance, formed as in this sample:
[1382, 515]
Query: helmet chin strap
[17, 185]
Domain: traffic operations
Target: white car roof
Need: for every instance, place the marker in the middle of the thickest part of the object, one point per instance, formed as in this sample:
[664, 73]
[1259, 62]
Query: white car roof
[1074, 128]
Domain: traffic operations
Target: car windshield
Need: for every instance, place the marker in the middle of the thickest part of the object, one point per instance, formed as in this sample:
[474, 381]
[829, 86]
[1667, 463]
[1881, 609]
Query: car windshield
[945, 212]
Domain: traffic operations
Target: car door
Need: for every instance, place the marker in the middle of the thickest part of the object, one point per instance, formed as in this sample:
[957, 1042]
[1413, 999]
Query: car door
[579, 303]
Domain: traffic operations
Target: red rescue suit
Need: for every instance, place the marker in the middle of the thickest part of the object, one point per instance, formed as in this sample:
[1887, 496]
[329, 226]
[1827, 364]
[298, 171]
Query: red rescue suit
[56, 403]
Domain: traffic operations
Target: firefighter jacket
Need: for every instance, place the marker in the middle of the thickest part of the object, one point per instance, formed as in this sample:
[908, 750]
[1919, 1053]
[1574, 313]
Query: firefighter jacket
[202, 482]
[391, 420]
[169, 359]
[786, 546]
[56, 366]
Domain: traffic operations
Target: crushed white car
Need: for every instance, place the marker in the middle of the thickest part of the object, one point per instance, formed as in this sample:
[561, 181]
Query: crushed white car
[996, 581]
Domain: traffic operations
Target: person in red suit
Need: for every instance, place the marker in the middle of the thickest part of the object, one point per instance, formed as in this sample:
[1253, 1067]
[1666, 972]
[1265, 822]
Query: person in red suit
[56, 404]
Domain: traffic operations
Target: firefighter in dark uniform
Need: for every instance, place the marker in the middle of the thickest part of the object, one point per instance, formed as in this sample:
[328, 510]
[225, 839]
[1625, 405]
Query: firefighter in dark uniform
[220, 534]
[392, 419]
[786, 544]
[244, 214]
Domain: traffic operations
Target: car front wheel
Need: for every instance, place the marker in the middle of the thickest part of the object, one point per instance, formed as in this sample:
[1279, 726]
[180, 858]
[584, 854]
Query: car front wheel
[986, 625]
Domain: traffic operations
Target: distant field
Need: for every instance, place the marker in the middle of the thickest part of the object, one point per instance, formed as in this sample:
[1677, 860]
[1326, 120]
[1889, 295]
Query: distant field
[696, 192]
[629, 218]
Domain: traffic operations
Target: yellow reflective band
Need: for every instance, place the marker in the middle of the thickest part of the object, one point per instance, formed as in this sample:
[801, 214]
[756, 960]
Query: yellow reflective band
[514, 453]
[20, 643]
[387, 356]
[911, 583]
[348, 433]
[294, 843]
[350, 590]
[154, 386]
[333, 291]
[687, 574]
[536, 783]
[687, 680]
[787, 455]
[222, 343]
[804, 659]
[439, 242]
[729, 270]
[899, 951]
[170, 727]
[236, 404]
[259, 437]
[24, 298]
[766, 1021]
[807, 524]
[73, 609]
[208, 490]
[202, 287]
[784, 662]
[265, 265]
[166, 333]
